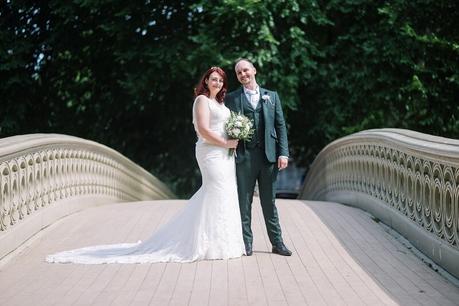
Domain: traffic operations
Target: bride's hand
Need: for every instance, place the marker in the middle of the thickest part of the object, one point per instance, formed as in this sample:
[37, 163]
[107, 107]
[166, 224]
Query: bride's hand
[231, 143]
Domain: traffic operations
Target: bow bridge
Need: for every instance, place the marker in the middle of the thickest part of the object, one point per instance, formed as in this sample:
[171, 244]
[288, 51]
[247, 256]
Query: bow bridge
[377, 223]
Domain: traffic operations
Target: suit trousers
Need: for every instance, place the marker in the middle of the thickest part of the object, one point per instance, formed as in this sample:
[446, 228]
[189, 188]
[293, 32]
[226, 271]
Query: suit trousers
[256, 168]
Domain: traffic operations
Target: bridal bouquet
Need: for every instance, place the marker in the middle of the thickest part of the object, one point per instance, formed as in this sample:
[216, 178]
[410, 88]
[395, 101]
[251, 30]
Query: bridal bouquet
[239, 127]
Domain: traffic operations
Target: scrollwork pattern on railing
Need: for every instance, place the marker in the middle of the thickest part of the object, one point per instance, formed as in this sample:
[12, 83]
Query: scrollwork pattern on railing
[42, 170]
[414, 174]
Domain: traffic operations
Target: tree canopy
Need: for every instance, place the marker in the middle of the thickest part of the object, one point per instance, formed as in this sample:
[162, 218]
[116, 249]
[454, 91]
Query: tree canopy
[122, 72]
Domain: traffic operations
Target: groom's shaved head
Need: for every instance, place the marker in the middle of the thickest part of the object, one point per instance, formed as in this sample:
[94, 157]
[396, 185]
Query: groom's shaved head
[243, 60]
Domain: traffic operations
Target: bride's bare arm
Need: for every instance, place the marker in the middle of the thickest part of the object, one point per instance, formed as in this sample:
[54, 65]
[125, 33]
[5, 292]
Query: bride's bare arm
[202, 117]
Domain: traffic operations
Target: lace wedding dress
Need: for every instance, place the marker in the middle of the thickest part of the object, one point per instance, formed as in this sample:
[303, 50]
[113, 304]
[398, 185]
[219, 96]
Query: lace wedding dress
[208, 227]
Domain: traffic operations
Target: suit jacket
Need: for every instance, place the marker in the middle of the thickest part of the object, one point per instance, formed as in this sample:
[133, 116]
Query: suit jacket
[276, 143]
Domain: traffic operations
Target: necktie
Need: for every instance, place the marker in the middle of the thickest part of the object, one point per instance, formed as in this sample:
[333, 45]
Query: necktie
[254, 97]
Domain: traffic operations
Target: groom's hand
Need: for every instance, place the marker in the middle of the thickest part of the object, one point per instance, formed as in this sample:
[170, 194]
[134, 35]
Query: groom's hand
[282, 162]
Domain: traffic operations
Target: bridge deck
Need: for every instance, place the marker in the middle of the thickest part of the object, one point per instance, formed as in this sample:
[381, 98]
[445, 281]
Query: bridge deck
[341, 256]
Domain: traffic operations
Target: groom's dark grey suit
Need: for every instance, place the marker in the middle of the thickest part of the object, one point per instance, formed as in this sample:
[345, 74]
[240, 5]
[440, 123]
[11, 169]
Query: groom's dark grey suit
[256, 159]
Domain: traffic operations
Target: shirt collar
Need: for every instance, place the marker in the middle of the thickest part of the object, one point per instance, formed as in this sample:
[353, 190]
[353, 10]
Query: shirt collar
[251, 92]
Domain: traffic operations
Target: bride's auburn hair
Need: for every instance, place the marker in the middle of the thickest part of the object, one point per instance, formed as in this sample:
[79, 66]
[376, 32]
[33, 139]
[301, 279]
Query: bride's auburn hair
[203, 89]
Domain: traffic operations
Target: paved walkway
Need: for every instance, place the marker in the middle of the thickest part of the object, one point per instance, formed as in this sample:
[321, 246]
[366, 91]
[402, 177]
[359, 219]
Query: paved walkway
[341, 257]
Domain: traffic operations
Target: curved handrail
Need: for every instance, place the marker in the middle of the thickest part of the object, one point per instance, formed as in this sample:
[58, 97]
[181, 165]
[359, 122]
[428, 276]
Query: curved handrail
[407, 179]
[42, 170]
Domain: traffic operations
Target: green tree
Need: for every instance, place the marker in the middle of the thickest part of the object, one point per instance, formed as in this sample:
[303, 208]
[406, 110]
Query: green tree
[122, 73]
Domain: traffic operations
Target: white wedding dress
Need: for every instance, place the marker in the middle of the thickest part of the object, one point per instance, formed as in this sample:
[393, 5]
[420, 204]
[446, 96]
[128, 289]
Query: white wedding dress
[208, 227]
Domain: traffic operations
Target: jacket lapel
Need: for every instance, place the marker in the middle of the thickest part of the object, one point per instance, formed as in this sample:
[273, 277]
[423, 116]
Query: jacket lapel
[242, 98]
[266, 107]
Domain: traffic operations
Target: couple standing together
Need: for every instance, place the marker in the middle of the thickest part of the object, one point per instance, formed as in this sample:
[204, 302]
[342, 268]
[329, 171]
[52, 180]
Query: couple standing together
[216, 222]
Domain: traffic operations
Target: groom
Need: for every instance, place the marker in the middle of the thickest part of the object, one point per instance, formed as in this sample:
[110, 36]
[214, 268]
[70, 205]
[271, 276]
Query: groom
[262, 157]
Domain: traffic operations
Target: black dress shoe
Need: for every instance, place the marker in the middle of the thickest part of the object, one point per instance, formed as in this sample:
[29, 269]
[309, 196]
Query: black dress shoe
[281, 249]
[248, 249]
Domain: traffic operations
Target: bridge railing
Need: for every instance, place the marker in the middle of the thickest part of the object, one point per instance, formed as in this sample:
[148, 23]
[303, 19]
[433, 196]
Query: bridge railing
[44, 177]
[408, 180]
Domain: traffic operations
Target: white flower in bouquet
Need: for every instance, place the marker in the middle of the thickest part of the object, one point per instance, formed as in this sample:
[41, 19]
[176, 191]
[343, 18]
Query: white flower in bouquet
[238, 127]
[236, 132]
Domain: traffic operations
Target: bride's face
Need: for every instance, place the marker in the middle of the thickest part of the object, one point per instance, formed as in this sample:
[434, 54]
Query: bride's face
[215, 83]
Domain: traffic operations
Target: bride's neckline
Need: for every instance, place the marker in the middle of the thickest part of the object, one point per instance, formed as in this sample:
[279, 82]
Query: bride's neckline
[215, 101]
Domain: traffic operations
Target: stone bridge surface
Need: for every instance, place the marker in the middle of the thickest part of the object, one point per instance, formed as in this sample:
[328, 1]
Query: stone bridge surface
[342, 256]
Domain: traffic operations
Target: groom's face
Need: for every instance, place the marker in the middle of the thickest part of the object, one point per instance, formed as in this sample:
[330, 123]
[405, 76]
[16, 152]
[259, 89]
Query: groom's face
[245, 72]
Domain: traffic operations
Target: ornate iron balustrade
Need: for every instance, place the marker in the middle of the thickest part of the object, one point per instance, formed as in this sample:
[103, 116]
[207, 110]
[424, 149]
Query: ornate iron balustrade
[409, 180]
[42, 170]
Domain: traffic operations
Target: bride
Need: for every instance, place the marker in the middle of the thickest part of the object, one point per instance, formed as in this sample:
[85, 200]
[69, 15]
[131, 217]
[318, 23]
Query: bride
[209, 226]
